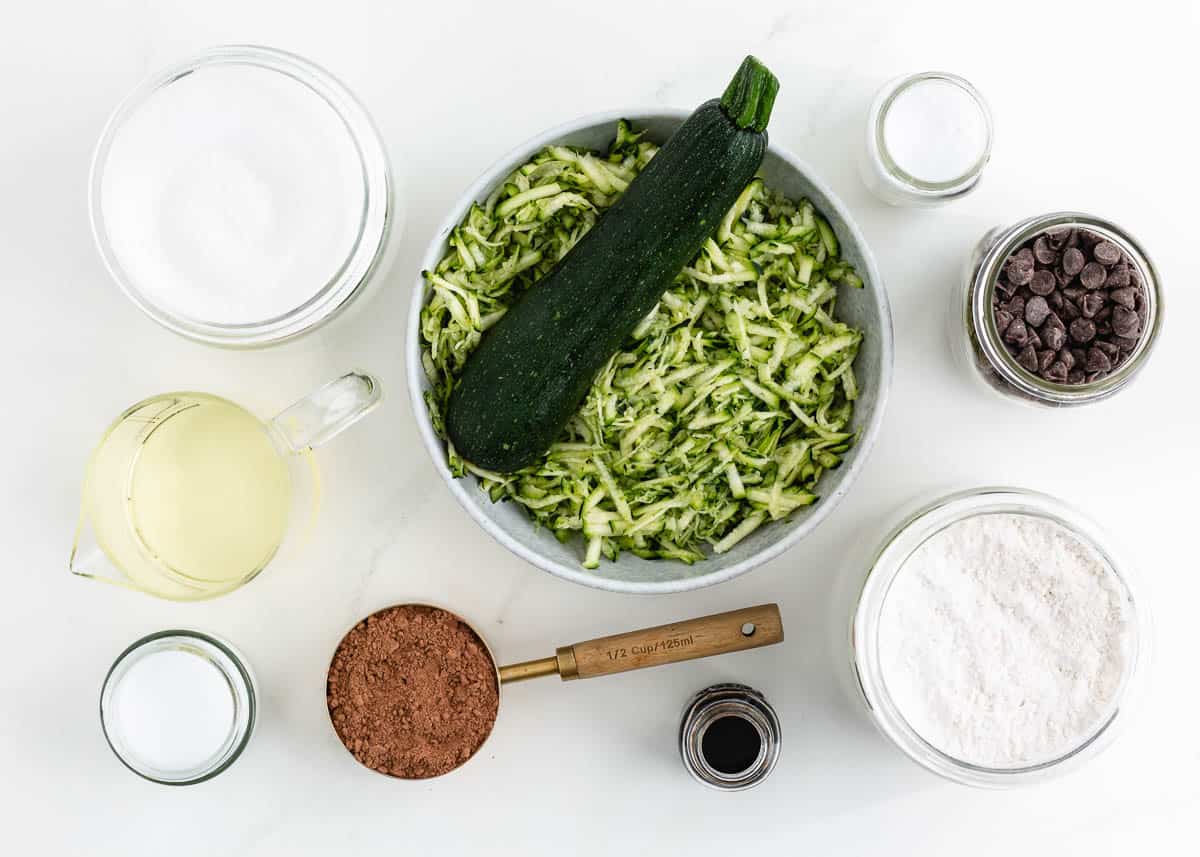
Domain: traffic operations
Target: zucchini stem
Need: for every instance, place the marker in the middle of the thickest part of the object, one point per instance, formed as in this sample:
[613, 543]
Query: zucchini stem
[750, 96]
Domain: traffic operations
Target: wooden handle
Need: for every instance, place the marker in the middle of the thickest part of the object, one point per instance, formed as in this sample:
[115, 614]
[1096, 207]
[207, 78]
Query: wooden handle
[734, 631]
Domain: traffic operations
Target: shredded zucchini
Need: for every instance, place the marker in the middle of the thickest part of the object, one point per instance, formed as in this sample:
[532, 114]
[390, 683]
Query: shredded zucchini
[725, 407]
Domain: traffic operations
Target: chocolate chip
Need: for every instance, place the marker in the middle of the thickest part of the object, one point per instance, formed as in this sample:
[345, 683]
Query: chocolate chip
[1125, 323]
[1057, 372]
[1073, 261]
[1093, 275]
[1018, 333]
[1042, 251]
[1097, 361]
[1070, 305]
[1082, 330]
[1042, 282]
[1036, 310]
[1058, 237]
[1106, 253]
[1118, 277]
[1019, 272]
[1089, 306]
[1124, 297]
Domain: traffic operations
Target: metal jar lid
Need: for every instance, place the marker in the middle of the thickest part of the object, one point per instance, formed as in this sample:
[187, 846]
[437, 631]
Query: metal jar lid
[735, 701]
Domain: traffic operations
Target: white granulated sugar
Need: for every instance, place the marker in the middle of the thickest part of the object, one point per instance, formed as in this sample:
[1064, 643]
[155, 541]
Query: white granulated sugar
[233, 195]
[1005, 640]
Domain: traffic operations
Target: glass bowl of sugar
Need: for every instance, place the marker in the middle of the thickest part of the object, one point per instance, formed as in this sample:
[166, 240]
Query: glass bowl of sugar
[241, 197]
[997, 638]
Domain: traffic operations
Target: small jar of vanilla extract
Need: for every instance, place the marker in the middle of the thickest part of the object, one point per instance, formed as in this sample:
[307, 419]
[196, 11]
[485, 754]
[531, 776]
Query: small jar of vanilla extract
[729, 737]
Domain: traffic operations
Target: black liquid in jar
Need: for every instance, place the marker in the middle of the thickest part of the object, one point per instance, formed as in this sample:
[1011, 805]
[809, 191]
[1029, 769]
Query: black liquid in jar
[730, 744]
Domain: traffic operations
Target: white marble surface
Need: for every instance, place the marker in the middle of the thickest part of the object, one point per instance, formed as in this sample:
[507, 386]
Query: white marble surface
[1094, 105]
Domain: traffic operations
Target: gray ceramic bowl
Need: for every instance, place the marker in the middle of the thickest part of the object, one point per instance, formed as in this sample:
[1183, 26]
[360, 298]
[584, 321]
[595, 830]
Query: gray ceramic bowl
[865, 308]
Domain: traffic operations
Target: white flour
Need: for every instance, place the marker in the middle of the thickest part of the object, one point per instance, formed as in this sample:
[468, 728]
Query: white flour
[1004, 640]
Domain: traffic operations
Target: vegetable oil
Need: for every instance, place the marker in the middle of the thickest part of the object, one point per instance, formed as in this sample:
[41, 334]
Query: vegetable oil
[205, 500]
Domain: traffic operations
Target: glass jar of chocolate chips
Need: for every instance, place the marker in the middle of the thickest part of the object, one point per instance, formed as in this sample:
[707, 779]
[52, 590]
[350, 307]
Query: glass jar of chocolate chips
[1060, 309]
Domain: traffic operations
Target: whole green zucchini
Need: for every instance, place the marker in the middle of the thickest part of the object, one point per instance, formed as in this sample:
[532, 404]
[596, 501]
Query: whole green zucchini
[533, 368]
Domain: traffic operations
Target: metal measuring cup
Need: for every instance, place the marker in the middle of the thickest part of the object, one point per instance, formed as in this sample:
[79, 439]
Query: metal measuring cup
[718, 634]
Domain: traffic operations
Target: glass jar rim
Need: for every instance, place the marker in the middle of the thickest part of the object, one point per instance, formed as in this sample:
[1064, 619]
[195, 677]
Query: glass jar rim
[374, 226]
[221, 655]
[913, 530]
[951, 188]
[983, 321]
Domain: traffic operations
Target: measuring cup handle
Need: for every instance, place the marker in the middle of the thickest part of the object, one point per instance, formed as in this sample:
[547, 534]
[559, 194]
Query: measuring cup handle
[327, 412]
[734, 631]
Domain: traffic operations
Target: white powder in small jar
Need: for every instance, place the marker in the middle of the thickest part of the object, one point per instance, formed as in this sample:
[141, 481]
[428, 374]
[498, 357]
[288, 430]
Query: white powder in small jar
[173, 712]
[1005, 640]
[935, 131]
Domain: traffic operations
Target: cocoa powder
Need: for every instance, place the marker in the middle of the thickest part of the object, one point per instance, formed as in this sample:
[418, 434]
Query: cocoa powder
[412, 691]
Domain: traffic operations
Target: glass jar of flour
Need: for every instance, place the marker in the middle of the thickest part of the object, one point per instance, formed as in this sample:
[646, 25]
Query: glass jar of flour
[997, 640]
[241, 197]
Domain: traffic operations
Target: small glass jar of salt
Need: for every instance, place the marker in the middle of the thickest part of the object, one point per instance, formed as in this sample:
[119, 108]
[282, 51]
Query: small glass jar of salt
[178, 707]
[927, 141]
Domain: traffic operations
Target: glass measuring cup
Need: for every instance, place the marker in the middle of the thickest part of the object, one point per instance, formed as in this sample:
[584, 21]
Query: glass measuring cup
[189, 495]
